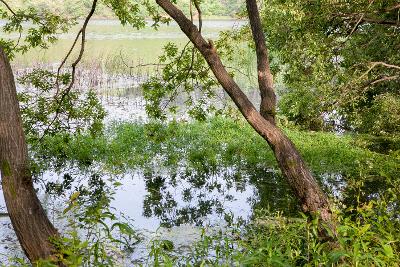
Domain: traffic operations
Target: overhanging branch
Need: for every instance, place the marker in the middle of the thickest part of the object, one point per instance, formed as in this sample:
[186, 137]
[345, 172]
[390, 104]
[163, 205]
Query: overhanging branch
[82, 34]
[8, 7]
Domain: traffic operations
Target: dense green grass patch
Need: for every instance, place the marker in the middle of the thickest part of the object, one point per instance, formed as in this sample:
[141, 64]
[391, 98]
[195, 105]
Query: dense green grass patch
[217, 142]
[368, 230]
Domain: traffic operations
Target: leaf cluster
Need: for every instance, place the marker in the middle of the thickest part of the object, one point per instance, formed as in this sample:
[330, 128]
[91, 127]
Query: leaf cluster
[184, 71]
[45, 112]
[337, 58]
[34, 28]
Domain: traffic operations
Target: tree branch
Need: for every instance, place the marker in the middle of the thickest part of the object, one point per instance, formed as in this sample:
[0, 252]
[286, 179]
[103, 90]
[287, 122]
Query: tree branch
[385, 78]
[377, 63]
[367, 19]
[8, 7]
[381, 21]
[208, 50]
[393, 7]
[374, 64]
[82, 33]
[294, 169]
[197, 6]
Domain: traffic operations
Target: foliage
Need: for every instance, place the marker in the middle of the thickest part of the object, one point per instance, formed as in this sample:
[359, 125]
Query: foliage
[134, 12]
[216, 142]
[106, 236]
[368, 229]
[209, 7]
[94, 235]
[214, 8]
[38, 25]
[47, 112]
[184, 71]
[367, 235]
[337, 58]
[38, 28]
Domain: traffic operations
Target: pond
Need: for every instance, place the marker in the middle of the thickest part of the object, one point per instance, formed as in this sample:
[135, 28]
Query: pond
[107, 42]
[107, 39]
[174, 201]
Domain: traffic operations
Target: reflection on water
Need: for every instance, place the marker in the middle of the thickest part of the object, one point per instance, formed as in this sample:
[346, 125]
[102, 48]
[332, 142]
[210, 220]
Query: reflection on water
[178, 200]
[175, 203]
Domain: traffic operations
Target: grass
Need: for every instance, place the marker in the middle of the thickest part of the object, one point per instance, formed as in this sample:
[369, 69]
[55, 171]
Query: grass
[364, 239]
[217, 142]
[368, 231]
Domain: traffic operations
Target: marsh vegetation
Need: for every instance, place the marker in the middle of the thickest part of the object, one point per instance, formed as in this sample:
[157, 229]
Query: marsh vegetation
[229, 134]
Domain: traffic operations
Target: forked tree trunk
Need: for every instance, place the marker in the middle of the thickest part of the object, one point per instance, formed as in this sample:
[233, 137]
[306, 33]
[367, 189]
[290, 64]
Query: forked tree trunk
[29, 220]
[294, 169]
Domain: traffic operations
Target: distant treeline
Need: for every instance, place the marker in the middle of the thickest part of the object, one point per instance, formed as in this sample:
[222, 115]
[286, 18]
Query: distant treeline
[79, 7]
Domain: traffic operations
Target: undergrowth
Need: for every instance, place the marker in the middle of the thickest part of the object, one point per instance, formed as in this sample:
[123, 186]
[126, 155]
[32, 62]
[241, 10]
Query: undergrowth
[367, 235]
[217, 142]
[368, 226]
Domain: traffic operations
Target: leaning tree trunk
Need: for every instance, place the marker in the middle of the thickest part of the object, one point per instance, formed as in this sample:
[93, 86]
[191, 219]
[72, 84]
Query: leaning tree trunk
[294, 169]
[33, 228]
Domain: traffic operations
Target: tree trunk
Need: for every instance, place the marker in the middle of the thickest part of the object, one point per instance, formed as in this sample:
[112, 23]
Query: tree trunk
[29, 220]
[294, 169]
[265, 78]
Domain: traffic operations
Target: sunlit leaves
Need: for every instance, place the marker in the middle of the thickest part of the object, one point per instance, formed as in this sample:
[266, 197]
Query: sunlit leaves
[35, 28]
[186, 76]
[46, 112]
[135, 12]
[327, 48]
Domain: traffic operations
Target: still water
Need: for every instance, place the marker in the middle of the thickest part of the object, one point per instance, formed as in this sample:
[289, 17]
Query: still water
[107, 39]
[173, 204]
[158, 203]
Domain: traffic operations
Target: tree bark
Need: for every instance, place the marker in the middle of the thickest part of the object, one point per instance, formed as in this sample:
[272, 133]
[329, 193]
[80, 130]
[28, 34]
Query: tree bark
[265, 77]
[29, 220]
[294, 169]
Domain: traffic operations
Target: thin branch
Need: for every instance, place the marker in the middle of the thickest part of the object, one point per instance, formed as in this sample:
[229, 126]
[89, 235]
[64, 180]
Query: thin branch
[357, 24]
[366, 19]
[382, 21]
[385, 78]
[82, 33]
[237, 70]
[378, 80]
[385, 65]
[8, 7]
[65, 59]
[197, 6]
[393, 7]
[191, 10]
[378, 63]
[19, 39]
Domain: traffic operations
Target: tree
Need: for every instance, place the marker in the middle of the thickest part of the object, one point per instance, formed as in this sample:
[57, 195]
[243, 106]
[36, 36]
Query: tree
[298, 175]
[33, 228]
[24, 207]
[339, 61]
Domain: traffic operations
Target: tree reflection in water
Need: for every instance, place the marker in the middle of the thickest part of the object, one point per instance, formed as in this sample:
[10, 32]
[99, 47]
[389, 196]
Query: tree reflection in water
[186, 195]
[183, 197]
